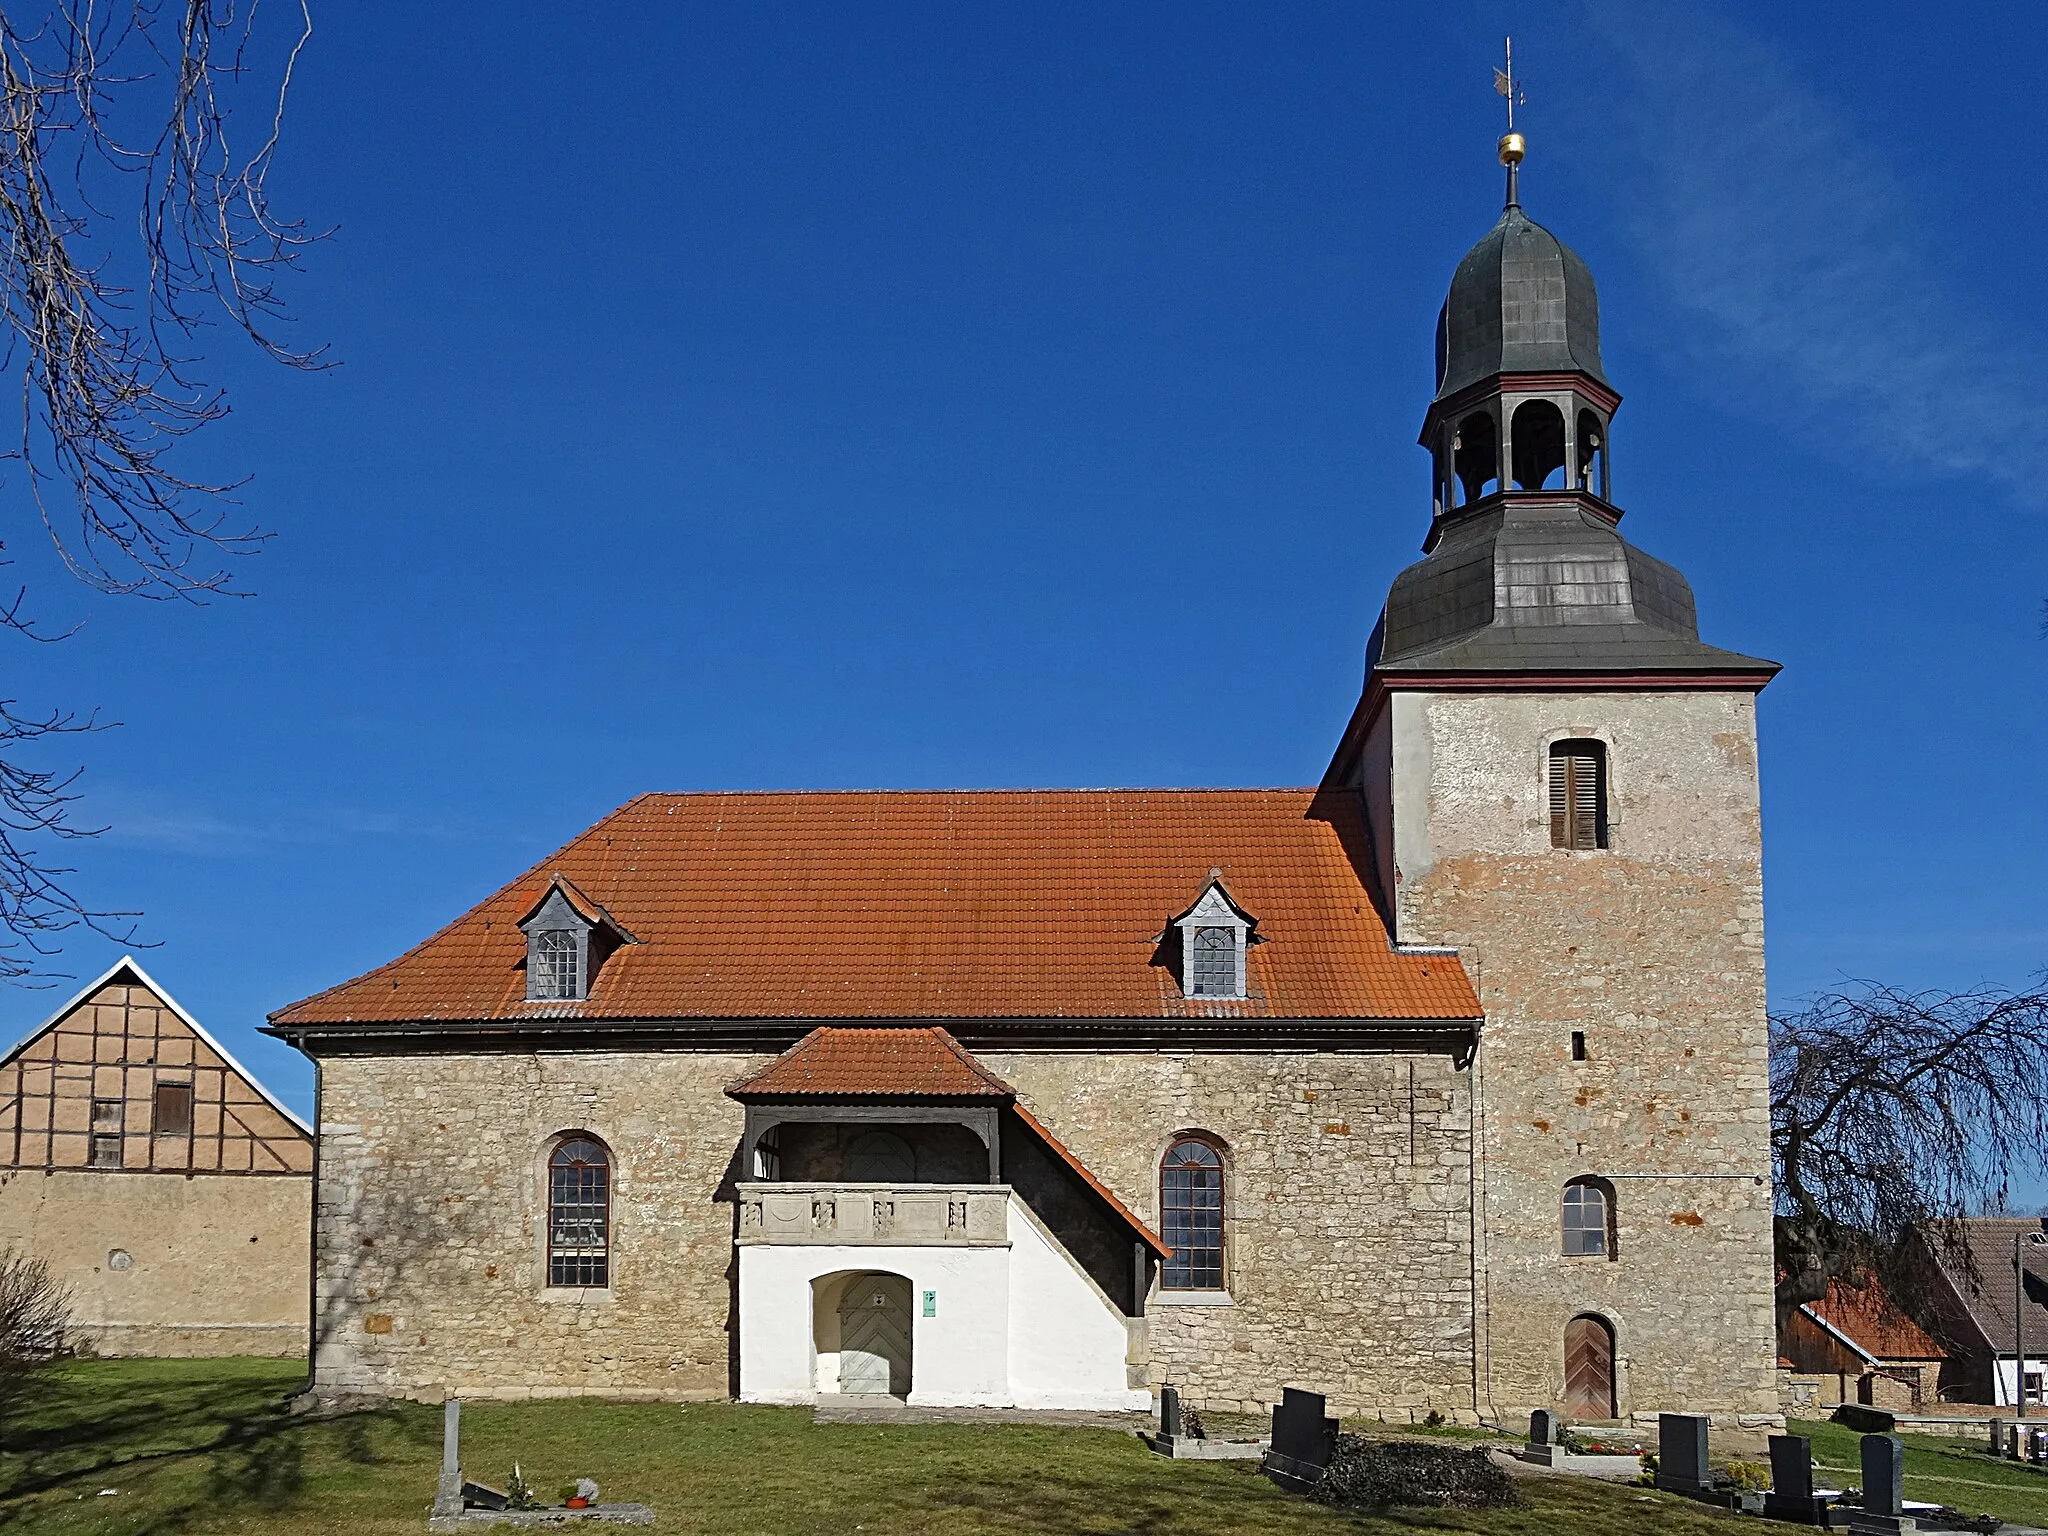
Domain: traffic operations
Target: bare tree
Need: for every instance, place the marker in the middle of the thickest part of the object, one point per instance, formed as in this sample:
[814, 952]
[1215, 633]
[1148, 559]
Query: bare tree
[1893, 1114]
[35, 1325]
[129, 223]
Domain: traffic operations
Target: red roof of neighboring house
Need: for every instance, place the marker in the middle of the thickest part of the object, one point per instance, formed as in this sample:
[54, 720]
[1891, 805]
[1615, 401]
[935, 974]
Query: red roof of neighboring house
[901, 1062]
[1866, 1317]
[913, 904]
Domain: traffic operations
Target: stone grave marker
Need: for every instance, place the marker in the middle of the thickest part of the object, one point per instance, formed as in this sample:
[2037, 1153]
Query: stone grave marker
[1682, 1453]
[448, 1491]
[1543, 1427]
[1998, 1437]
[2037, 1449]
[1791, 1496]
[1303, 1436]
[1169, 1412]
[1884, 1475]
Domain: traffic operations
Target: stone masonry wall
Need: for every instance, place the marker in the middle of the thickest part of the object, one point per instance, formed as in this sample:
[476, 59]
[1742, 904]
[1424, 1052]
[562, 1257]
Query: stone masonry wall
[432, 1210]
[1347, 1240]
[1653, 948]
[1348, 1243]
[163, 1264]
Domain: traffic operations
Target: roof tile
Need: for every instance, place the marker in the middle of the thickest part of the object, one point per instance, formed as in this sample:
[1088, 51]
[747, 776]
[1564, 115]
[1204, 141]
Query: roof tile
[932, 904]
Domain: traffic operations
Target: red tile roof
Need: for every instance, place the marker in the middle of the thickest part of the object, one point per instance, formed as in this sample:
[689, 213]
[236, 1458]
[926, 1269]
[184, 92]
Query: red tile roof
[913, 904]
[896, 1062]
[1865, 1315]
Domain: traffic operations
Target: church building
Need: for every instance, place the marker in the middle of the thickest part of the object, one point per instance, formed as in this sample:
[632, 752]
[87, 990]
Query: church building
[1439, 1084]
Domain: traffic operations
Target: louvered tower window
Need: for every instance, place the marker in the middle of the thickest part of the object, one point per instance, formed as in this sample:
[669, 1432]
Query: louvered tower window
[1578, 794]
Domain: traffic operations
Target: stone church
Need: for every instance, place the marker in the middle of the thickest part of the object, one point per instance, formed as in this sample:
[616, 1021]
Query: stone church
[1438, 1085]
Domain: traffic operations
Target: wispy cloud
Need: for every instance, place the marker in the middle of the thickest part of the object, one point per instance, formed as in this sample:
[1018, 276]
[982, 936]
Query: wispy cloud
[1773, 221]
[143, 819]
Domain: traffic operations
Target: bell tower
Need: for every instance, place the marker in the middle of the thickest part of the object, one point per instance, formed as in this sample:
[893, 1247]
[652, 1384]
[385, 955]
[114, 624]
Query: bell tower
[1560, 778]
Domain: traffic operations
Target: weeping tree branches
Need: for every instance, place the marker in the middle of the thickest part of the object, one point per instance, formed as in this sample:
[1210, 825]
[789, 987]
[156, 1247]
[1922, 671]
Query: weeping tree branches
[130, 221]
[1892, 1115]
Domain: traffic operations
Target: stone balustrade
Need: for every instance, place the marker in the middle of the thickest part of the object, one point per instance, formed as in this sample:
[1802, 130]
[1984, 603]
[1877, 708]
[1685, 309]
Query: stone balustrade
[918, 1215]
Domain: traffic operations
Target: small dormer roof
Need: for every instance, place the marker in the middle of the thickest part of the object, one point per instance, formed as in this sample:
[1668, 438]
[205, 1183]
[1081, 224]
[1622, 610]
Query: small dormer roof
[560, 890]
[1216, 904]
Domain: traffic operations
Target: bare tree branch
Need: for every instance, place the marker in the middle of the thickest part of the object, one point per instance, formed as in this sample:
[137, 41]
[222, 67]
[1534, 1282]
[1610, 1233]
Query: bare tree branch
[1893, 1114]
[105, 105]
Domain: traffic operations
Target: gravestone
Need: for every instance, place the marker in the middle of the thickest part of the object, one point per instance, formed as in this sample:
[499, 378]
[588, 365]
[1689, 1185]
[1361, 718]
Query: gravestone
[448, 1491]
[1682, 1453]
[2037, 1449]
[1543, 1427]
[1303, 1437]
[1791, 1496]
[1169, 1412]
[1998, 1437]
[1884, 1475]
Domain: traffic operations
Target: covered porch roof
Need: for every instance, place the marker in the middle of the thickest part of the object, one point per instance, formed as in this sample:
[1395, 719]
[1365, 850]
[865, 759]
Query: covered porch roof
[905, 1073]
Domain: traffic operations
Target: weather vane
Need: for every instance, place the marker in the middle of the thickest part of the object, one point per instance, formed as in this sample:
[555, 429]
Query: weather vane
[1512, 145]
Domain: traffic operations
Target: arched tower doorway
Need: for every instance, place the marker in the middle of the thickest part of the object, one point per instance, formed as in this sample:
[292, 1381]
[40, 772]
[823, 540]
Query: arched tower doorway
[1589, 1368]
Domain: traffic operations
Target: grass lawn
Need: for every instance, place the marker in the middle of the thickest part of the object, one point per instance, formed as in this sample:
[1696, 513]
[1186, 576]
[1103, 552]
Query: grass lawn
[197, 1446]
[1940, 1470]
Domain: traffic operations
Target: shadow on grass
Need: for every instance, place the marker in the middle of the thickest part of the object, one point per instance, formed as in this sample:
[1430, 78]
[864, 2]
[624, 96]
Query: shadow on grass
[150, 1418]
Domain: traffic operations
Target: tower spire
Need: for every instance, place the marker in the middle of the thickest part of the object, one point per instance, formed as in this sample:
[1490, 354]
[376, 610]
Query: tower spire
[1512, 145]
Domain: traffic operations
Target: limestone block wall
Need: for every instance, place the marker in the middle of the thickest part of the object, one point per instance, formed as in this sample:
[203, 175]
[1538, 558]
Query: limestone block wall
[1348, 1215]
[162, 1264]
[1654, 949]
[1348, 1249]
[432, 1214]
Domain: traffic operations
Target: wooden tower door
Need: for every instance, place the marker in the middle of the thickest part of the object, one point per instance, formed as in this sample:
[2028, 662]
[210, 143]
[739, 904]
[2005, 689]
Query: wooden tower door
[1588, 1369]
[874, 1335]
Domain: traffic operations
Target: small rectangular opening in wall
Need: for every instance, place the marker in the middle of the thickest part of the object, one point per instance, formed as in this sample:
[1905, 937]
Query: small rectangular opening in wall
[1578, 1045]
[173, 1109]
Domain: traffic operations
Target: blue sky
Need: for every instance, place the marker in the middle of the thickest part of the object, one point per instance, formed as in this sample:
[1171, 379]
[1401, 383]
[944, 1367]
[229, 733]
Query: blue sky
[824, 396]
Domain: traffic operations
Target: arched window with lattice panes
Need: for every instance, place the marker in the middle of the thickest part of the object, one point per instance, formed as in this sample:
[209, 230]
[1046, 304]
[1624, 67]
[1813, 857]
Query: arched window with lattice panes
[1578, 794]
[1589, 1219]
[579, 1213]
[1191, 1216]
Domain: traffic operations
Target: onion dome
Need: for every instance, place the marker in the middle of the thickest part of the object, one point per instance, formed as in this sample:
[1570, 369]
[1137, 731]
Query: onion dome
[1521, 302]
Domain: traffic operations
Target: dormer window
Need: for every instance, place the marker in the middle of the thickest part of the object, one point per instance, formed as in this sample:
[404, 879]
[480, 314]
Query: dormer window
[557, 964]
[568, 937]
[1214, 935]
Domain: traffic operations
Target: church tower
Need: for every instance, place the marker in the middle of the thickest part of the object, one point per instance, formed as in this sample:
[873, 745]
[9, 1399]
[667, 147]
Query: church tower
[1561, 781]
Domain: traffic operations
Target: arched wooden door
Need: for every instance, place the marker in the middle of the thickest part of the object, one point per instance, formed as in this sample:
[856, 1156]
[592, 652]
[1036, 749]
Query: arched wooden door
[1588, 1369]
[874, 1335]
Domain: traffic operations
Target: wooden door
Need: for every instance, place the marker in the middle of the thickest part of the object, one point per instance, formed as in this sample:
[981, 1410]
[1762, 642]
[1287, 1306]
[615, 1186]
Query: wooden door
[874, 1335]
[1588, 1369]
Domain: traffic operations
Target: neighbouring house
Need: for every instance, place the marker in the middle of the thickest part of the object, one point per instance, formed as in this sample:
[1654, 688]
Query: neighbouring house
[1974, 1310]
[1855, 1346]
[1438, 1084]
[166, 1188]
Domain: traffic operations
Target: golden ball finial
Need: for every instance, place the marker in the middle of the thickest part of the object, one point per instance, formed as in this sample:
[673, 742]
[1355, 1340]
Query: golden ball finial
[1512, 149]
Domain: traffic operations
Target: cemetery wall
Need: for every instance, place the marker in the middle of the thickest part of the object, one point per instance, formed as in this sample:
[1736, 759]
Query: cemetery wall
[1654, 949]
[1347, 1181]
[163, 1264]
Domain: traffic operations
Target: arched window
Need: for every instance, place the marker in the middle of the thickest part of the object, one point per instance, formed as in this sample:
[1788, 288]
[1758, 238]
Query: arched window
[1578, 794]
[1191, 1216]
[1536, 433]
[1589, 1219]
[1475, 455]
[579, 1213]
